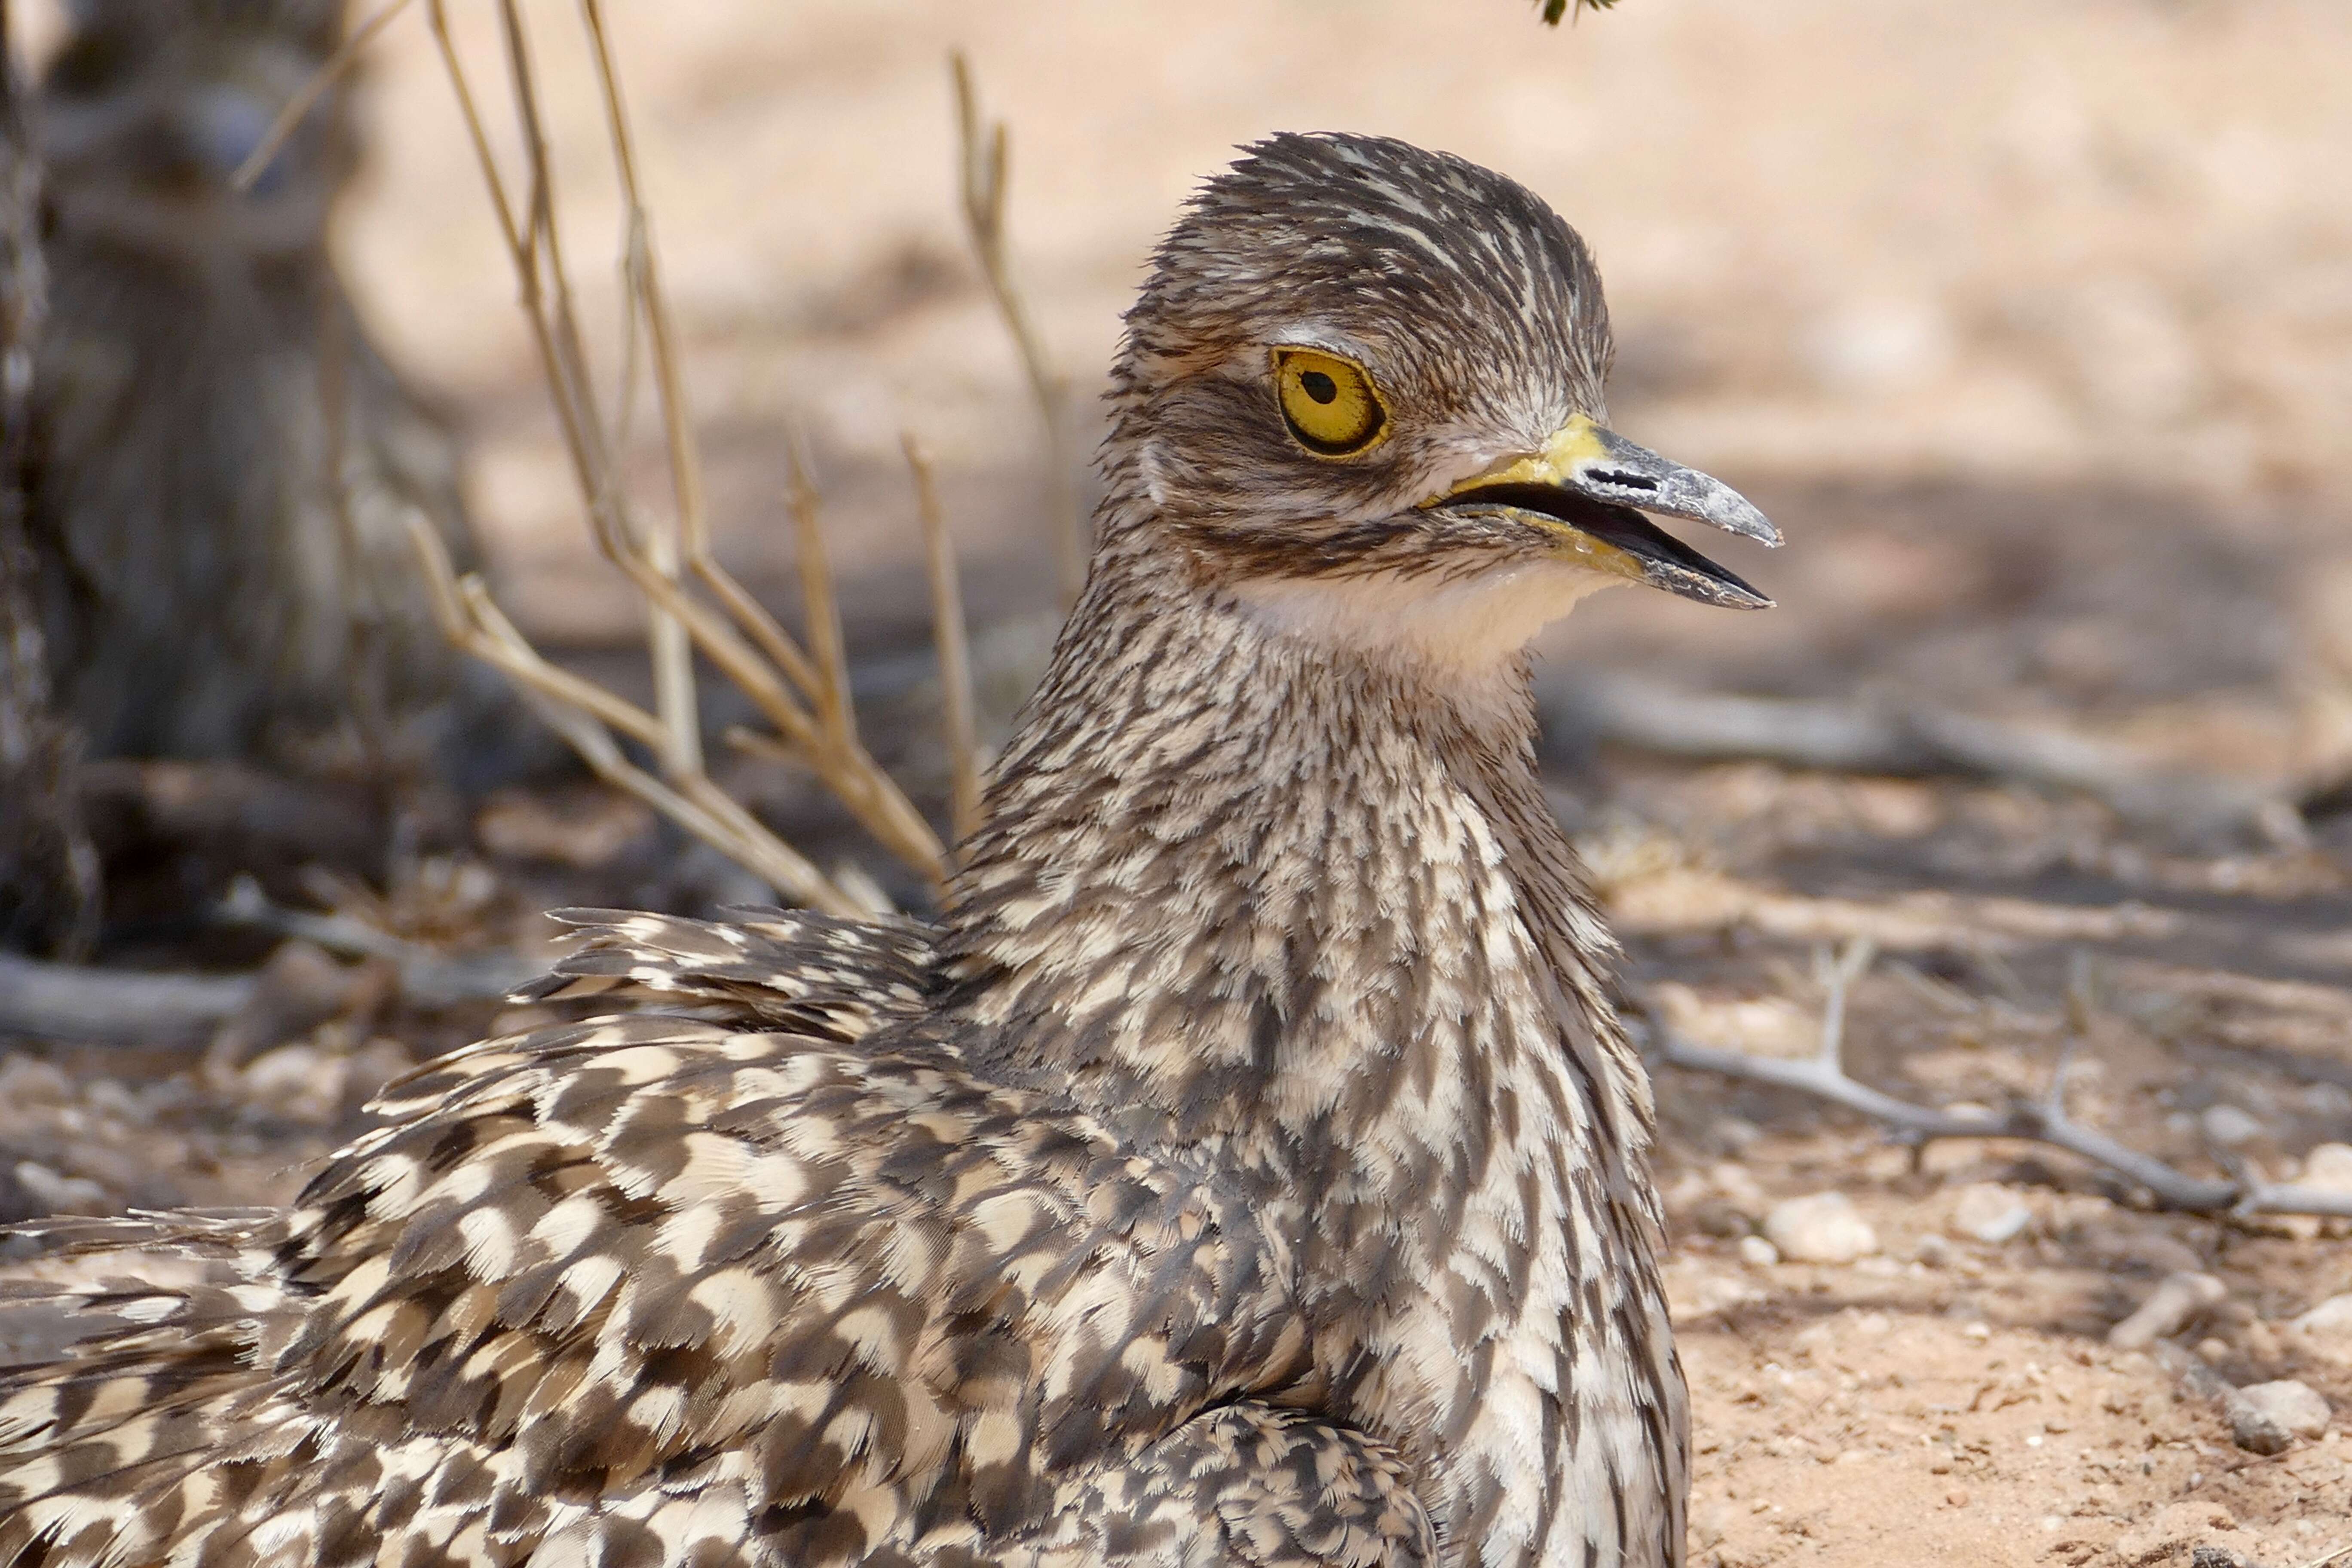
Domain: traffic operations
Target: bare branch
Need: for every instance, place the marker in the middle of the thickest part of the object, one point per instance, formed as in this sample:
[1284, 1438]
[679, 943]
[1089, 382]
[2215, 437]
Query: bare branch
[805, 699]
[428, 978]
[673, 658]
[954, 645]
[584, 714]
[1824, 1076]
[74, 1002]
[127, 1008]
[981, 152]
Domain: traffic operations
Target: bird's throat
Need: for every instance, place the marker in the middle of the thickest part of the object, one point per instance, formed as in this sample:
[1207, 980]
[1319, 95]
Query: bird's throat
[1449, 635]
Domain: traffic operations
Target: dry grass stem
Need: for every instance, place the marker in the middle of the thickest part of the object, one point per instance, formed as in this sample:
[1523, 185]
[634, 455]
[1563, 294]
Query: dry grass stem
[954, 645]
[981, 178]
[586, 715]
[594, 451]
[673, 656]
[803, 693]
[835, 708]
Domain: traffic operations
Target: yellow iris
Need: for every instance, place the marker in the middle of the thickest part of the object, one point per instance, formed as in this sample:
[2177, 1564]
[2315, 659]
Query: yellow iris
[1328, 403]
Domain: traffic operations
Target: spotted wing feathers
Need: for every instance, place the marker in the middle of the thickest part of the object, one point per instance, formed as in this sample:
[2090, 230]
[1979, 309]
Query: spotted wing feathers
[834, 978]
[668, 1289]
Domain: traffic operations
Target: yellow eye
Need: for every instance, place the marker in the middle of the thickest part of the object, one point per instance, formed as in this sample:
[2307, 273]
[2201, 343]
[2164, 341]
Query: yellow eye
[1328, 403]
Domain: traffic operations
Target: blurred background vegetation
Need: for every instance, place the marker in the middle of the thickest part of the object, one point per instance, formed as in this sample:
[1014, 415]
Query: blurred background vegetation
[2034, 325]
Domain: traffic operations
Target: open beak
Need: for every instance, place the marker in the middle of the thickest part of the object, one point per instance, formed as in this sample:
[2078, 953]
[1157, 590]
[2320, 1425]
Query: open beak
[1583, 490]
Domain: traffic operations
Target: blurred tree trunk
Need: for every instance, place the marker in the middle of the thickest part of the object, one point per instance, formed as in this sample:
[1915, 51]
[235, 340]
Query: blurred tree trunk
[48, 873]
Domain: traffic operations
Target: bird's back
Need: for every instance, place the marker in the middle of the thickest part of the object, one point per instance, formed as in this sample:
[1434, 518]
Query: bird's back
[780, 1283]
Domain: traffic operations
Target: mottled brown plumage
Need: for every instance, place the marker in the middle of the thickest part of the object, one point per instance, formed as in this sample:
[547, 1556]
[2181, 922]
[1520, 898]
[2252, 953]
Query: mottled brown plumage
[1247, 1168]
[224, 465]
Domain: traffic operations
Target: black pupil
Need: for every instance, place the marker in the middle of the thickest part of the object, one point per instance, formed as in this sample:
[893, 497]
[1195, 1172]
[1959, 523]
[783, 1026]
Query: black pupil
[1318, 386]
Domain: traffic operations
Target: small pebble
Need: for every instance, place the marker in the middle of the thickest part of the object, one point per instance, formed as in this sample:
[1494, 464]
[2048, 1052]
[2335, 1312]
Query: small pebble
[2333, 1316]
[2252, 1428]
[1738, 1184]
[2329, 1168]
[1825, 1227]
[2229, 1126]
[2299, 1409]
[2328, 1100]
[1989, 1213]
[1720, 1218]
[2205, 1554]
[1755, 1249]
[60, 1194]
[2168, 1309]
[1957, 1497]
[1734, 1134]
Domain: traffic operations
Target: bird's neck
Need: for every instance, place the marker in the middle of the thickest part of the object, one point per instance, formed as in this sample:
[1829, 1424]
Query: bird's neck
[1250, 880]
[1305, 915]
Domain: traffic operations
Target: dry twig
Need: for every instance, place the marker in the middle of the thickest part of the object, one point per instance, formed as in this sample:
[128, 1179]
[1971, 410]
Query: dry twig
[1824, 1076]
[75, 1002]
[585, 715]
[428, 978]
[954, 647]
[981, 171]
[130, 1007]
[802, 692]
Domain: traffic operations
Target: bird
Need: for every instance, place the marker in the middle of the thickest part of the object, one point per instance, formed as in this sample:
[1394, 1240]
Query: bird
[1246, 1166]
[224, 465]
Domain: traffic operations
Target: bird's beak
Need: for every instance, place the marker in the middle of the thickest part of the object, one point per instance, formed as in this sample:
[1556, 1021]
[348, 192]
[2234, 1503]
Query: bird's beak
[1583, 490]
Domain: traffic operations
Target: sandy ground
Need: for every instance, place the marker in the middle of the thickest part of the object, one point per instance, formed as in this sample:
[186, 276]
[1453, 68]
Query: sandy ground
[1945, 1398]
[2032, 326]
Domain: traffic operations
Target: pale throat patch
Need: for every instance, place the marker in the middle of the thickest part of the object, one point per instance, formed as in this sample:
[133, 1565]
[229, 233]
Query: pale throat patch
[1465, 628]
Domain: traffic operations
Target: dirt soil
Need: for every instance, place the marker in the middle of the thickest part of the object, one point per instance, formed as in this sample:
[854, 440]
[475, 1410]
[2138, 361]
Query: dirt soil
[1947, 1398]
[2028, 324]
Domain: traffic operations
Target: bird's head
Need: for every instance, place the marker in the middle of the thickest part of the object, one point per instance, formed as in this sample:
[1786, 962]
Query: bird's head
[1363, 391]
